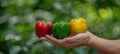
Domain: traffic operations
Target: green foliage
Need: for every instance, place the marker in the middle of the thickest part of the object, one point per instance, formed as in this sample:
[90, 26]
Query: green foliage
[18, 17]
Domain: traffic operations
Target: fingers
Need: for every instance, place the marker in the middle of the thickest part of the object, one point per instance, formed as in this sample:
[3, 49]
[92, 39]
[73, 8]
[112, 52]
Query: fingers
[54, 40]
[43, 38]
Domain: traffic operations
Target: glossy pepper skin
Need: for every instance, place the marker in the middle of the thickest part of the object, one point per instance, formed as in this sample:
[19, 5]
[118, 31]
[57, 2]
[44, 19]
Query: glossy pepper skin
[43, 28]
[61, 30]
[49, 32]
[78, 26]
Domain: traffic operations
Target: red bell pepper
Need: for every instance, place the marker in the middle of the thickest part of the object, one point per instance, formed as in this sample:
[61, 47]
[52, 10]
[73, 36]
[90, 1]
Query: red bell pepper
[43, 29]
[50, 28]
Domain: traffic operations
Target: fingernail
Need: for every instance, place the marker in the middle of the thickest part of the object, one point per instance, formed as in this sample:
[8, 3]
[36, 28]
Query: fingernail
[42, 38]
[47, 35]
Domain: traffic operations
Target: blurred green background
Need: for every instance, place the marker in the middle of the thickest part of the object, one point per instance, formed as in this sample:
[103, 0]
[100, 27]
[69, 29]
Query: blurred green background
[18, 17]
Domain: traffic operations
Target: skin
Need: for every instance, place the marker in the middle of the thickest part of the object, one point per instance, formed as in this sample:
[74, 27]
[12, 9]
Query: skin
[86, 39]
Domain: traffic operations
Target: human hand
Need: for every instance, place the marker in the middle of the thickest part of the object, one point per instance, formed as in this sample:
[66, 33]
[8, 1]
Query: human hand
[71, 41]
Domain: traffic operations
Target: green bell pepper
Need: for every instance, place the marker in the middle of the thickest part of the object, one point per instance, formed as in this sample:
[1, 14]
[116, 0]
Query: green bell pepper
[61, 30]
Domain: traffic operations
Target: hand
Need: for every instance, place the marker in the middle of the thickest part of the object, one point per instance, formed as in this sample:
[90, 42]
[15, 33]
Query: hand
[71, 41]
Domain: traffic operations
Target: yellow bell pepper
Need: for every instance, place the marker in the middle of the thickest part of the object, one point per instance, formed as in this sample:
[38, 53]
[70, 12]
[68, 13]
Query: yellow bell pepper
[78, 26]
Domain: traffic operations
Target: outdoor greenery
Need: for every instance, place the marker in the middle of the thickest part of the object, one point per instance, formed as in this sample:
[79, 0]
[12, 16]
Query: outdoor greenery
[18, 17]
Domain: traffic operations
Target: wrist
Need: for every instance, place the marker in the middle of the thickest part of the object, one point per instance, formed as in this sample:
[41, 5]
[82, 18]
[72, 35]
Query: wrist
[91, 39]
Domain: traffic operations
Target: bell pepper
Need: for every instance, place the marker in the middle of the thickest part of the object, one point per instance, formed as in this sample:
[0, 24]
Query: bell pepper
[49, 28]
[78, 26]
[43, 28]
[61, 30]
